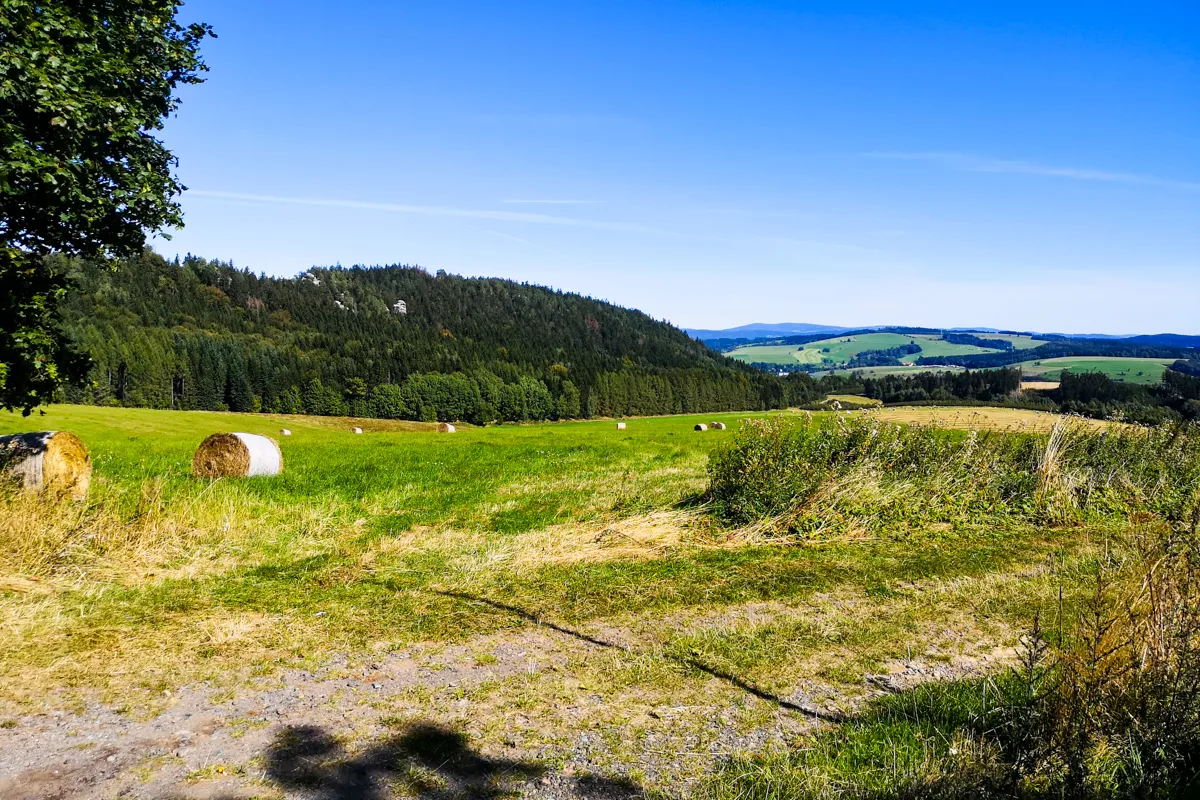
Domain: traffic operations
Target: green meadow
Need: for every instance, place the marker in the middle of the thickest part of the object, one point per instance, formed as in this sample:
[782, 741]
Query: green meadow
[1130, 370]
[359, 527]
[451, 548]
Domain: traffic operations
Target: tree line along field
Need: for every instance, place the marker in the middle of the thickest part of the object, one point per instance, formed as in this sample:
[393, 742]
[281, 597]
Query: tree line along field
[531, 586]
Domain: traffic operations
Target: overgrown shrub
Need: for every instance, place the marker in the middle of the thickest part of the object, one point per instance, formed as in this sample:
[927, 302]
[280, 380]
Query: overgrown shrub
[843, 474]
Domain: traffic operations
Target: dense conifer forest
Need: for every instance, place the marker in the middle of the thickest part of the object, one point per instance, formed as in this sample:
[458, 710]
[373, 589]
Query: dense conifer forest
[393, 342]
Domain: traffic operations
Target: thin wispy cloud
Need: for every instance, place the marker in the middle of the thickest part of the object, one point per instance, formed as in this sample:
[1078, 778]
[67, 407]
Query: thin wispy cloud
[517, 239]
[964, 162]
[551, 202]
[431, 211]
[552, 120]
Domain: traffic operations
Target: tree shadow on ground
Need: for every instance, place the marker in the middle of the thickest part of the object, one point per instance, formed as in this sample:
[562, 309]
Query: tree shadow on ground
[693, 663]
[425, 761]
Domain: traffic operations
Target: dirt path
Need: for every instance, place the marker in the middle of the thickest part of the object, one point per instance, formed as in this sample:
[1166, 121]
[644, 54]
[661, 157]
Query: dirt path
[527, 711]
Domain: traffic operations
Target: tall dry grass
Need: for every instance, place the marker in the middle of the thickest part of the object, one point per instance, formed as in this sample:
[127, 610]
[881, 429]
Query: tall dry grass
[844, 474]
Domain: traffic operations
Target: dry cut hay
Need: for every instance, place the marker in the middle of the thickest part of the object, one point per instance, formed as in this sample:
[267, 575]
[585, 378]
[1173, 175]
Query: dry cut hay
[54, 462]
[445, 427]
[229, 455]
[717, 426]
[700, 426]
[620, 426]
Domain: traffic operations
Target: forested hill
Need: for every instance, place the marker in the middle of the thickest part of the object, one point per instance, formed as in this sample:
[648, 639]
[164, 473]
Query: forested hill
[201, 334]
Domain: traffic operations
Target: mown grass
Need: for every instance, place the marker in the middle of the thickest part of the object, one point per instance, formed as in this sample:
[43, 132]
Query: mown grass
[1010, 420]
[404, 539]
[383, 539]
[353, 519]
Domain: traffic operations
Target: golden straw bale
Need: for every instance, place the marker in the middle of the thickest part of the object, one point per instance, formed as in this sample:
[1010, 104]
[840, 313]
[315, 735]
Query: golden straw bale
[55, 462]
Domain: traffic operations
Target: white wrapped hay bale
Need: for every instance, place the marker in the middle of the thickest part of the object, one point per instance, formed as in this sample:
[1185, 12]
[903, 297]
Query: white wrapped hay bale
[284, 432]
[445, 427]
[237, 455]
[56, 462]
[700, 426]
[717, 426]
[620, 426]
[356, 430]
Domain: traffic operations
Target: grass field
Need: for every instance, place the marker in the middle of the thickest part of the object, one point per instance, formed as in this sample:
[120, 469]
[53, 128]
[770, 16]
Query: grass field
[979, 419]
[554, 592]
[839, 349]
[1019, 342]
[1131, 370]
[879, 372]
[785, 355]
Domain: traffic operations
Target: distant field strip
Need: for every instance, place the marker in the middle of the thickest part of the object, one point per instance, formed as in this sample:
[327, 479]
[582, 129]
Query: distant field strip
[978, 419]
[879, 372]
[1130, 370]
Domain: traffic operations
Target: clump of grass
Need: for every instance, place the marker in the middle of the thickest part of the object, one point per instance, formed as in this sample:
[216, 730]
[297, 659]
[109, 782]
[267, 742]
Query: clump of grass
[1107, 705]
[841, 475]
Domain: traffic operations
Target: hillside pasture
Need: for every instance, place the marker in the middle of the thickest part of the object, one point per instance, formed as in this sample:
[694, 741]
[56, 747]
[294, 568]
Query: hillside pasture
[527, 585]
[785, 355]
[1129, 370]
[1019, 341]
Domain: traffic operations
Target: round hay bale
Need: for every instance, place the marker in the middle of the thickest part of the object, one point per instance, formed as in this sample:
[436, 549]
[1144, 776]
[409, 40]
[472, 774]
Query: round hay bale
[356, 430]
[620, 426]
[700, 426]
[717, 426]
[445, 427]
[284, 432]
[56, 462]
[237, 455]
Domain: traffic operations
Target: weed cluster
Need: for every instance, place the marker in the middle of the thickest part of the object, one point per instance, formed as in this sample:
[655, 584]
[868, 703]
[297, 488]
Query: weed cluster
[840, 475]
[1104, 705]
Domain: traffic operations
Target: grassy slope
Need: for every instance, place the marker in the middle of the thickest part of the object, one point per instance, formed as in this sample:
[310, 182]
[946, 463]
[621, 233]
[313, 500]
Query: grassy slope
[1133, 370]
[782, 354]
[361, 527]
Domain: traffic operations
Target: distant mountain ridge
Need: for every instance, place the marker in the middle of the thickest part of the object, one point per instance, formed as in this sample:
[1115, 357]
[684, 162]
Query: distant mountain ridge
[760, 331]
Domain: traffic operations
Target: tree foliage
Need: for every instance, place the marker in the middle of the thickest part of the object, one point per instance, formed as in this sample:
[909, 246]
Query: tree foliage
[200, 334]
[84, 84]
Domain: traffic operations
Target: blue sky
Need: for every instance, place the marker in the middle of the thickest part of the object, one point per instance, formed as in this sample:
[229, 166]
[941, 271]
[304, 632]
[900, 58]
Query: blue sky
[1015, 165]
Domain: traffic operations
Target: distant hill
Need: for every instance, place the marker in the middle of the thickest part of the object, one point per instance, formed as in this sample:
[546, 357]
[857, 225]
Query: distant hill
[1166, 340]
[765, 330]
[904, 350]
[391, 341]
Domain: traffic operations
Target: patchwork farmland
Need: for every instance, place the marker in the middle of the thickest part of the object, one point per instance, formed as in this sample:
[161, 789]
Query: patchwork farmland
[835, 356]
